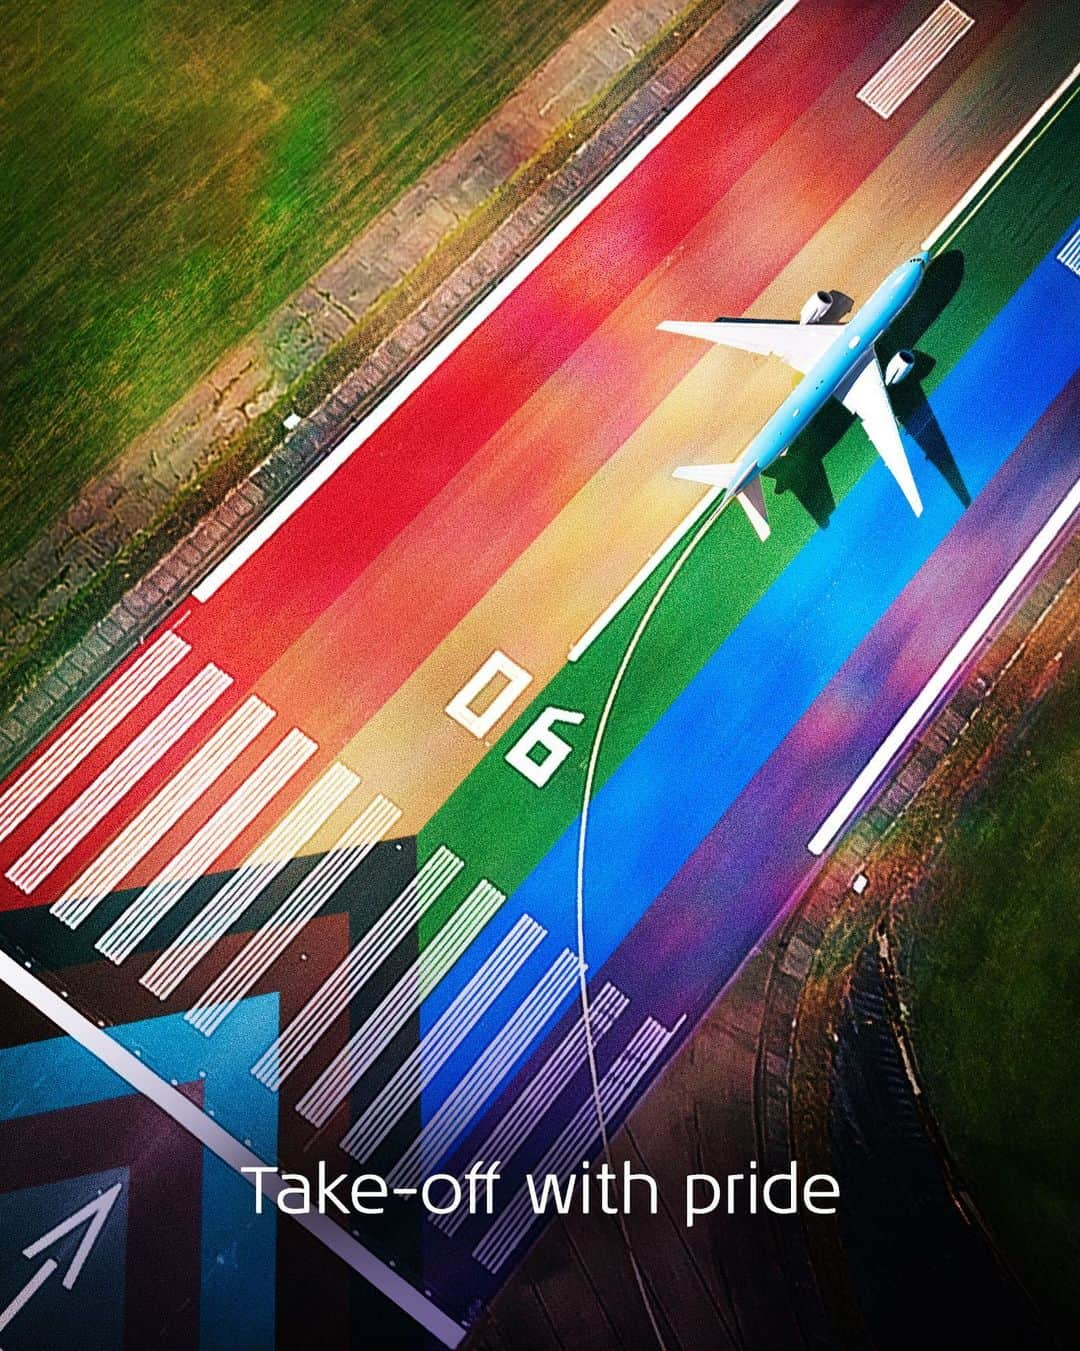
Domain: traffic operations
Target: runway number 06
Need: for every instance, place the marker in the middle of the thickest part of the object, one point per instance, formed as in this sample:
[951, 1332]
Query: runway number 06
[539, 736]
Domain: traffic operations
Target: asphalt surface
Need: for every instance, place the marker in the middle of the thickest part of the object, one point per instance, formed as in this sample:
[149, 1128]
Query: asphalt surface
[500, 508]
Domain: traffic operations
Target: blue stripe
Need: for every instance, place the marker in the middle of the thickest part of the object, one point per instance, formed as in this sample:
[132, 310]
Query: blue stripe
[684, 774]
[237, 1247]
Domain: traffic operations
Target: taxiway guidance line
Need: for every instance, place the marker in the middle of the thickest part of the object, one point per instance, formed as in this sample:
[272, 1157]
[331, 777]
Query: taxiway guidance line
[655, 559]
[995, 164]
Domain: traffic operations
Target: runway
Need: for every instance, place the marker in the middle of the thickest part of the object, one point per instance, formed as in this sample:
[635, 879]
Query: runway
[267, 807]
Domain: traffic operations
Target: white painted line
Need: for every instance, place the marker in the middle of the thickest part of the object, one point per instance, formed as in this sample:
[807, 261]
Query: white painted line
[132, 1070]
[537, 1096]
[1070, 254]
[226, 1147]
[223, 994]
[446, 1034]
[913, 61]
[923, 53]
[95, 802]
[331, 999]
[403, 1002]
[575, 1140]
[161, 813]
[72, 747]
[999, 159]
[472, 321]
[490, 1068]
[632, 587]
[208, 843]
[29, 1290]
[924, 701]
[248, 883]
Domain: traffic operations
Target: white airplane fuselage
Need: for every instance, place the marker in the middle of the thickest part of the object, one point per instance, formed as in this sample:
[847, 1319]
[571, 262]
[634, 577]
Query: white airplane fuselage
[833, 370]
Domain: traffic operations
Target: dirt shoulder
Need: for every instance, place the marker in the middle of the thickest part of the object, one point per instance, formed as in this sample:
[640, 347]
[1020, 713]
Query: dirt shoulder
[856, 1086]
[177, 499]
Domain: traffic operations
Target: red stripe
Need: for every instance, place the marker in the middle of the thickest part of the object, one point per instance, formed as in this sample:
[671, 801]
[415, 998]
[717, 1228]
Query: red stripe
[370, 640]
[388, 622]
[324, 546]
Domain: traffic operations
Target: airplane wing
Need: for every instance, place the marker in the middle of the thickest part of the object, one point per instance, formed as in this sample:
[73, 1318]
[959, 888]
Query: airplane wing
[800, 345]
[868, 399]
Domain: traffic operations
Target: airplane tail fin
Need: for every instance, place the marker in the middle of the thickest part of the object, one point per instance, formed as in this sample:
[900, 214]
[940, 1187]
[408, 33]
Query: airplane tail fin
[716, 475]
[750, 497]
[752, 500]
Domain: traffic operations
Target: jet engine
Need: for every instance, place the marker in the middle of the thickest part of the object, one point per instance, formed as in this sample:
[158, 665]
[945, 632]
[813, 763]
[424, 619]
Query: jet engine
[816, 308]
[900, 367]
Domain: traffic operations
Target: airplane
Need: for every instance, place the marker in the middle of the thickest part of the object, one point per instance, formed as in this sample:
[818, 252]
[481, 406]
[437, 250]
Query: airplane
[836, 361]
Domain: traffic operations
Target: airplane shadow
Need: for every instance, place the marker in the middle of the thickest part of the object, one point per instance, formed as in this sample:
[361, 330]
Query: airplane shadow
[917, 418]
[940, 285]
[841, 307]
[802, 471]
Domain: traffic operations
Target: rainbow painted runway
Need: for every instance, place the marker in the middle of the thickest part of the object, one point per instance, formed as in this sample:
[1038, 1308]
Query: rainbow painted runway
[268, 810]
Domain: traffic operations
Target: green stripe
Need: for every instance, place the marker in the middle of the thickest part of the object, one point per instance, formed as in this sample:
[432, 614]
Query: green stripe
[501, 824]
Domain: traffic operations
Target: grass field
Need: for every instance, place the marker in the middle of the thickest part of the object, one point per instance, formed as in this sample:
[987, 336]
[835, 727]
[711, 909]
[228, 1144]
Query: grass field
[995, 988]
[172, 172]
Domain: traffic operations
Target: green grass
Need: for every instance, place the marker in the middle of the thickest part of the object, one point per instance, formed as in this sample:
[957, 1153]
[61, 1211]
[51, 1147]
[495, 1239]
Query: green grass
[172, 172]
[995, 994]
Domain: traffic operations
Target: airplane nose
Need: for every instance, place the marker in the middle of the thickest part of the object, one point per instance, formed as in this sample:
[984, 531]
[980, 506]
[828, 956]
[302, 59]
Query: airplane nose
[922, 258]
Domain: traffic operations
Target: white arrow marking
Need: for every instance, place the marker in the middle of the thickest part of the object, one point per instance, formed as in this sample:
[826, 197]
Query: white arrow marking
[29, 1290]
[93, 1215]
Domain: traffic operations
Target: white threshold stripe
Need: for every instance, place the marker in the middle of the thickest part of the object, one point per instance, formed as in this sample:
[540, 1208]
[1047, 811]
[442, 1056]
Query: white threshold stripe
[444, 1037]
[632, 587]
[486, 307]
[212, 1136]
[1070, 254]
[908, 55]
[134, 1071]
[914, 60]
[575, 1140]
[536, 1098]
[264, 947]
[136, 759]
[905, 63]
[927, 697]
[910, 74]
[196, 858]
[402, 1003]
[480, 1083]
[72, 747]
[248, 883]
[161, 813]
[350, 975]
